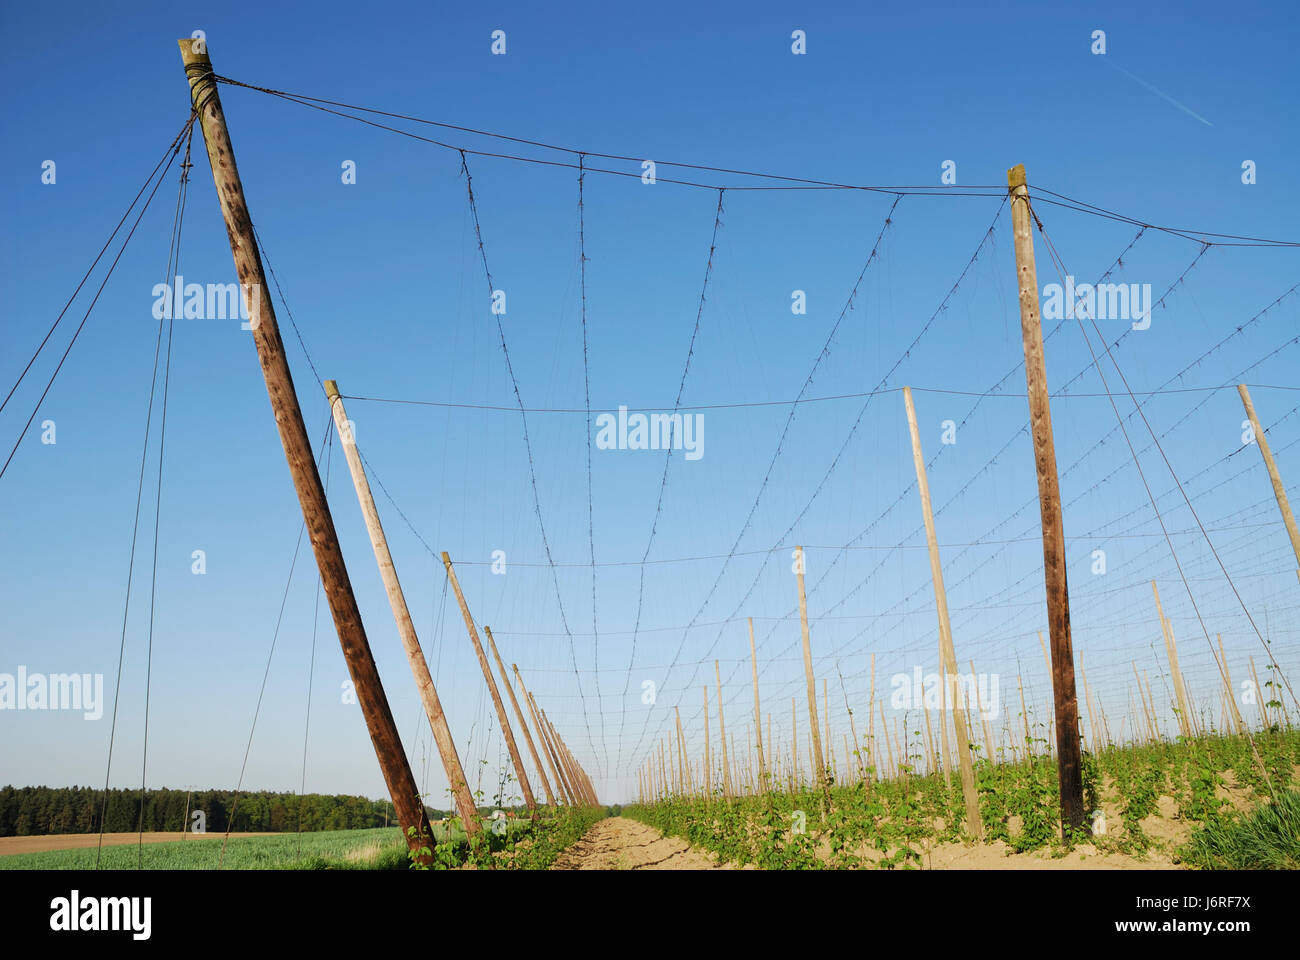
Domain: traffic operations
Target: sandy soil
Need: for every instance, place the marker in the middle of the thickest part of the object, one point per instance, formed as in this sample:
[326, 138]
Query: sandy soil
[621, 844]
[70, 841]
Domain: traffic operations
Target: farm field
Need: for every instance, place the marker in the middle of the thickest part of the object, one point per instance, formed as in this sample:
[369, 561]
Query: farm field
[337, 849]
[11, 846]
[1157, 806]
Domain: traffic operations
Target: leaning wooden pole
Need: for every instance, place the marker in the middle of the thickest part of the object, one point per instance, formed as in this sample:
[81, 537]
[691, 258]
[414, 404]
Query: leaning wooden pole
[405, 626]
[1279, 491]
[819, 762]
[519, 715]
[502, 719]
[1068, 749]
[758, 716]
[722, 731]
[964, 765]
[298, 450]
[560, 786]
[1175, 672]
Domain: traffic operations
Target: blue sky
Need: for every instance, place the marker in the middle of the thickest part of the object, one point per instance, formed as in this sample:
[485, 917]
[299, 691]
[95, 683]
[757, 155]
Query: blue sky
[384, 279]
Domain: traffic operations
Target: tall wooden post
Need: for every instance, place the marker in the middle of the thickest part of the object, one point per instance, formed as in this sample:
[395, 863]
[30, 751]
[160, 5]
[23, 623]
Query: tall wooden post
[1229, 693]
[405, 626]
[758, 716]
[1279, 491]
[1068, 750]
[297, 448]
[519, 715]
[708, 760]
[722, 727]
[973, 822]
[1176, 673]
[491, 685]
[819, 762]
[794, 740]
[560, 786]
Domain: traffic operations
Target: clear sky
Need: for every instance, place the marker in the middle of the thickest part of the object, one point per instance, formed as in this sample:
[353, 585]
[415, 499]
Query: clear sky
[385, 281]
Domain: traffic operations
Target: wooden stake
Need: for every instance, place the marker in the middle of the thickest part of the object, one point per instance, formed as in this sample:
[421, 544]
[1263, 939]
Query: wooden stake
[405, 626]
[722, 727]
[681, 752]
[206, 102]
[519, 715]
[1279, 491]
[1024, 715]
[708, 761]
[1068, 750]
[758, 725]
[1229, 693]
[491, 685]
[949, 658]
[1176, 675]
[546, 747]
[818, 760]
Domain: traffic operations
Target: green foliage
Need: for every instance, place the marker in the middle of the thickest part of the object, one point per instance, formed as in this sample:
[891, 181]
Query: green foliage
[889, 824]
[1267, 838]
[37, 811]
[374, 849]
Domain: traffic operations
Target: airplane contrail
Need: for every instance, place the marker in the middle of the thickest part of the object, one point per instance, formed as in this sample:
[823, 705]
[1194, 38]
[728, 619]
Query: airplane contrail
[1160, 93]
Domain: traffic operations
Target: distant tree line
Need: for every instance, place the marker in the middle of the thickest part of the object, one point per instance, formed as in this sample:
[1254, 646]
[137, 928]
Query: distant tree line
[34, 811]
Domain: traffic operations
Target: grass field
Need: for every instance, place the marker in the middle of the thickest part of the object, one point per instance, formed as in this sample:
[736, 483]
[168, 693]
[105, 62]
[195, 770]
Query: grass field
[378, 848]
[520, 845]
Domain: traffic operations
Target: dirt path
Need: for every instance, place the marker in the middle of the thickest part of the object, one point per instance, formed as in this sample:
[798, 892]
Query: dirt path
[621, 844]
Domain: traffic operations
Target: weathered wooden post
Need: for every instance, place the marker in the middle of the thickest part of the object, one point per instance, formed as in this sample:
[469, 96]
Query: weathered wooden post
[491, 685]
[1068, 751]
[1176, 673]
[819, 761]
[519, 715]
[1279, 491]
[297, 447]
[405, 626]
[973, 822]
[758, 716]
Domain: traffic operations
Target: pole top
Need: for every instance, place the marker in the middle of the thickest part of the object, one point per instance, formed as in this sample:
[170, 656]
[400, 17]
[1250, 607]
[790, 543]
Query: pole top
[1016, 177]
[332, 389]
[193, 49]
[446, 558]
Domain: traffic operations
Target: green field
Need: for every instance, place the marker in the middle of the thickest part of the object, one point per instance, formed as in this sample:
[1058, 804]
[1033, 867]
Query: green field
[520, 846]
[375, 848]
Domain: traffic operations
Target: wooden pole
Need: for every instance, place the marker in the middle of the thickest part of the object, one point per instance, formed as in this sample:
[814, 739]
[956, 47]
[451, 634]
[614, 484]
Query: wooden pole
[758, 716]
[871, 722]
[405, 626]
[819, 761]
[546, 747]
[1068, 750]
[949, 657]
[1024, 715]
[794, 737]
[519, 715]
[491, 685]
[830, 744]
[206, 102]
[1228, 691]
[708, 760]
[683, 776]
[1279, 491]
[722, 728]
[1166, 629]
